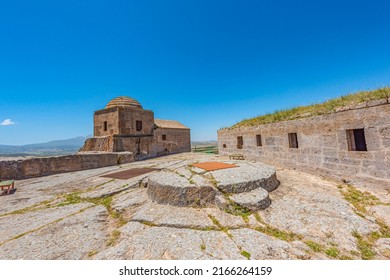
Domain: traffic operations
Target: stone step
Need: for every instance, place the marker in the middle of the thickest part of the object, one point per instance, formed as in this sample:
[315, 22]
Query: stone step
[246, 177]
[254, 200]
[167, 187]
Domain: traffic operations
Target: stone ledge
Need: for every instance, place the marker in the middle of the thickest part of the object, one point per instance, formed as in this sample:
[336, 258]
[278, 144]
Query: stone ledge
[38, 167]
[255, 200]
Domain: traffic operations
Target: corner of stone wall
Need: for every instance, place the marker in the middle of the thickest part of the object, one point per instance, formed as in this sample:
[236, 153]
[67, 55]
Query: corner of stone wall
[125, 157]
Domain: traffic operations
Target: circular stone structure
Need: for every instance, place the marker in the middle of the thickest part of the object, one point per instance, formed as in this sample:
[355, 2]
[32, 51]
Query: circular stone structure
[124, 101]
[242, 184]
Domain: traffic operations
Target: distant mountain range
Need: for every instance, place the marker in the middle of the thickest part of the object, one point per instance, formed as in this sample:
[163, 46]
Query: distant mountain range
[210, 142]
[61, 147]
[58, 147]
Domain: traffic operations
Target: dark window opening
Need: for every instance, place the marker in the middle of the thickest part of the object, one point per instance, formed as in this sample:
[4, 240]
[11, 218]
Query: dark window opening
[164, 137]
[138, 125]
[293, 140]
[105, 126]
[356, 140]
[240, 142]
[224, 145]
[258, 141]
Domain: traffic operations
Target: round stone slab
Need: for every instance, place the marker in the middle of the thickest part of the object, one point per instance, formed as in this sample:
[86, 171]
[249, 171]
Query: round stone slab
[257, 199]
[246, 177]
[193, 186]
[169, 187]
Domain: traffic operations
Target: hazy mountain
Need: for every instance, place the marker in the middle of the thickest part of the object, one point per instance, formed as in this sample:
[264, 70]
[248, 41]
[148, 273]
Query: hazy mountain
[210, 142]
[62, 147]
[58, 147]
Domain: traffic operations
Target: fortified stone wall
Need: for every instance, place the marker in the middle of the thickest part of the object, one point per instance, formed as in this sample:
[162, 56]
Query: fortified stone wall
[128, 118]
[37, 167]
[175, 141]
[111, 116]
[142, 146]
[325, 144]
[122, 121]
[99, 144]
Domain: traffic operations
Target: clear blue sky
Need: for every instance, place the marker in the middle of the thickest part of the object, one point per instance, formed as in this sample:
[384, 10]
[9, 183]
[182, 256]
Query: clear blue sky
[207, 63]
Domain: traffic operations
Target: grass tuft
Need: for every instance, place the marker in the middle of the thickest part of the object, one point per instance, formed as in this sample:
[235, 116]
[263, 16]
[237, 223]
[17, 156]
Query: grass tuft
[258, 218]
[238, 210]
[345, 258]
[316, 247]
[147, 223]
[246, 254]
[280, 234]
[92, 253]
[277, 233]
[36, 207]
[365, 246]
[332, 252]
[219, 225]
[212, 180]
[114, 238]
[207, 228]
[360, 200]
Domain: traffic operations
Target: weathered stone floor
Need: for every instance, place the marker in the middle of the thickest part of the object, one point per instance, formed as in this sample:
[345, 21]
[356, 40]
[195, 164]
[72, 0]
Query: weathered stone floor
[81, 215]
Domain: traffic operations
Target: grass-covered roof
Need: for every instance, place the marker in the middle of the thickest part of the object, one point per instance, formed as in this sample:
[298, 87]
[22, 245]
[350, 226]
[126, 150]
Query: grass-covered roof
[327, 107]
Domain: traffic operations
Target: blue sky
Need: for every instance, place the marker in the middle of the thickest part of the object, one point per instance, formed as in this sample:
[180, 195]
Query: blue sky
[208, 64]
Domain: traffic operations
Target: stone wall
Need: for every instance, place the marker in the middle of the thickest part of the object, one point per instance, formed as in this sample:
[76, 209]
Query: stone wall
[122, 121]
[99, 144]
[322, 144]
[111, 116]
[128, 118]
[37, 167]
[141, 146]
[176, 141]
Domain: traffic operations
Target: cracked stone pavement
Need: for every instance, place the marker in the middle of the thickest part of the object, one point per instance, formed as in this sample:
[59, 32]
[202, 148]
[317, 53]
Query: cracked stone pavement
[81, 215]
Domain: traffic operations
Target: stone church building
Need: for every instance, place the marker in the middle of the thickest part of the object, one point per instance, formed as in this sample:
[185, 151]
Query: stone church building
[124, 126]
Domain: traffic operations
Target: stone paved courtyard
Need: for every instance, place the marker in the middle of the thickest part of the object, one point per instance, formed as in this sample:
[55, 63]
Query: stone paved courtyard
[81, 215]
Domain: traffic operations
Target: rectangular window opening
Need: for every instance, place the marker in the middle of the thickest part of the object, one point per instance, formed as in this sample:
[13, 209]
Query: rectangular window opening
[138, 125]
[293, 140]
[105, 126]
[164, 137]
[240, 142]
[224, 146]
[258, 141]
[356, 140]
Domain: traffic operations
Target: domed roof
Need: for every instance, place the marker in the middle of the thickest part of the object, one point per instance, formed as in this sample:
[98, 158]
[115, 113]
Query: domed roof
[123, 101]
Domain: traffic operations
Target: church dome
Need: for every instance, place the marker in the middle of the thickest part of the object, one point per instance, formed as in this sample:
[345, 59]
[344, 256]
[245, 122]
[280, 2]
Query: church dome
[123, 101]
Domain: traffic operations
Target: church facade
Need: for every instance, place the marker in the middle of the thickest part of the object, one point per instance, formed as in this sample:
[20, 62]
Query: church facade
[125, 126]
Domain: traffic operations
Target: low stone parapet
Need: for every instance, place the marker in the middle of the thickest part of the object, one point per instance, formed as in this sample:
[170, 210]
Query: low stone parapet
[43, 166]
